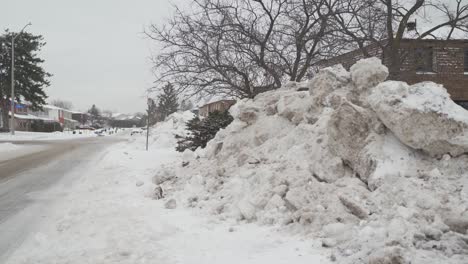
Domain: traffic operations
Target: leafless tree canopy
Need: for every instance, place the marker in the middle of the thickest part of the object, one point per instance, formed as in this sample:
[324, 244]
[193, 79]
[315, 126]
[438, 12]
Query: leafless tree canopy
[62, 104]
[242, 47]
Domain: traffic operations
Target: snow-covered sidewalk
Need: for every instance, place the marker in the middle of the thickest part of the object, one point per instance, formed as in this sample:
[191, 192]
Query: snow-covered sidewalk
[109, 216]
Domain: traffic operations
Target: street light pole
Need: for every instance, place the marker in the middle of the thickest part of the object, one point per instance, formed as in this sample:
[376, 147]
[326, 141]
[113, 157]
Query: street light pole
[148, 122]
[12, 119]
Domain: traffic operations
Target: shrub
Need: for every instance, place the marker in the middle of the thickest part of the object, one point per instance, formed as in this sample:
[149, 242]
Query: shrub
[203, 130]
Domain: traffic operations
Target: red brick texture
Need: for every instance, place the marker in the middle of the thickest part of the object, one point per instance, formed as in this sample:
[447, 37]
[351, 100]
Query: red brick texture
[448, 60]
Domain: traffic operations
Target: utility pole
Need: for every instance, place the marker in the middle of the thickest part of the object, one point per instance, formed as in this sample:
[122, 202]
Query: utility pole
[148, 121]
[12, 119]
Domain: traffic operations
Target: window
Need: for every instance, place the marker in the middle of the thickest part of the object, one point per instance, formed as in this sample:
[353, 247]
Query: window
[423, 59]
[466, 60]
[463, 104]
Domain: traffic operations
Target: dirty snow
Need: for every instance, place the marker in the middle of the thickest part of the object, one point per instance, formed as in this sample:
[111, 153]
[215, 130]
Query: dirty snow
[109, 215]
[298, 177]
[327, 165]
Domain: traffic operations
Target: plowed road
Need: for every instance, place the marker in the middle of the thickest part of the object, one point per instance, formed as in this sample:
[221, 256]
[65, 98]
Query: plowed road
[25, 175]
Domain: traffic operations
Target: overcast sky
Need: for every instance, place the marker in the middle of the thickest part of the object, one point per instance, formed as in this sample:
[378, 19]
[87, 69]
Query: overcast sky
[95, 48]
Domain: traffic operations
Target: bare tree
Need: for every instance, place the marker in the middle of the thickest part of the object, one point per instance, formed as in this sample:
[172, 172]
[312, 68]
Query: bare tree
[62, 104]
[384, 23]
[240, 47]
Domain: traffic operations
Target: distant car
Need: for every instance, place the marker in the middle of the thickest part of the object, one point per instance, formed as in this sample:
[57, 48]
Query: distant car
[136, 131]
[100, 132]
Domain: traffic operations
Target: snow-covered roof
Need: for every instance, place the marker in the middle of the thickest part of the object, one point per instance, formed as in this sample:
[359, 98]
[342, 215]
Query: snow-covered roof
[31, 117]
[212, 99]
[52, 107]
[120, 116]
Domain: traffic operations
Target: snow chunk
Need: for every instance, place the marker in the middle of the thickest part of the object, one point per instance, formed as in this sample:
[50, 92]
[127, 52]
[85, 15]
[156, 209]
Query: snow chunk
[422, 116]
[367, 73]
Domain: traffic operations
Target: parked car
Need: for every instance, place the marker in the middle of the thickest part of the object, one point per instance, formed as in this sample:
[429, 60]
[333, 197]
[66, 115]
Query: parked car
[136, 131]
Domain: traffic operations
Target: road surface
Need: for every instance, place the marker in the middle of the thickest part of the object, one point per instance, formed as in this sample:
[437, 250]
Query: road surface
[24, 178]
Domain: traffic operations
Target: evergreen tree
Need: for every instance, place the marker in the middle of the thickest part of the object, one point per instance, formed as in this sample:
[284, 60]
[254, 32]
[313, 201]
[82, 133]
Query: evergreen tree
[153, 113]
[95, 117]
[167, 101]
[202, 131]
[30, 76]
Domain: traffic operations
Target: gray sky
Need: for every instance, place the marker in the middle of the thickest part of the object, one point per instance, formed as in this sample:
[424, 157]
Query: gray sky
[95, 48]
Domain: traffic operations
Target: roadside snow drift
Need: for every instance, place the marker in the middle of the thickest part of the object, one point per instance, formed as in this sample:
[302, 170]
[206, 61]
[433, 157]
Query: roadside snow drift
[376, 170]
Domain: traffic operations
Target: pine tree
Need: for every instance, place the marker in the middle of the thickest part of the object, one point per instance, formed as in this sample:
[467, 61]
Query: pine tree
[153, 113]
[167, 101]
[30, 76]
[95, 117]
[202, 131]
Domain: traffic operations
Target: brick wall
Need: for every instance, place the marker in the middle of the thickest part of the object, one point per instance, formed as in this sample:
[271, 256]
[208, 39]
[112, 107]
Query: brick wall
[448, 64]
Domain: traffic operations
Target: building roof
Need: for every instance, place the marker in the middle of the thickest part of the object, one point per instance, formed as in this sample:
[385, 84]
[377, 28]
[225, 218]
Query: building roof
[212, 99]
[31, 117]
[52, 107]
[222, 100]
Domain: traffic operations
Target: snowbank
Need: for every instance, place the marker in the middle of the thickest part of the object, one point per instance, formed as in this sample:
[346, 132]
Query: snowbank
[337, 163]
[422, 116]
[163, 133]
[100, 213]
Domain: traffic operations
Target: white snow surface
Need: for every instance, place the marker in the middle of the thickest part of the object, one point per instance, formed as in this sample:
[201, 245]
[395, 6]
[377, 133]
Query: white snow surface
[108, 215]
[7, 147]
[27, 136]
[10, 150]
[324, 166]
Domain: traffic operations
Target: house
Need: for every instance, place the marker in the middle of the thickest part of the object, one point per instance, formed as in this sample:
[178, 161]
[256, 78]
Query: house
[62, 118]
[436, 60]
[51, 113]
[80, 117]
[25, 120]
[220, 105]
[68, 121]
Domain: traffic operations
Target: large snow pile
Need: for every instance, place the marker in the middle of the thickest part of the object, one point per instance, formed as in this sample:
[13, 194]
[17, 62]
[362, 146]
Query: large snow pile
[163, 133]
[375, 169]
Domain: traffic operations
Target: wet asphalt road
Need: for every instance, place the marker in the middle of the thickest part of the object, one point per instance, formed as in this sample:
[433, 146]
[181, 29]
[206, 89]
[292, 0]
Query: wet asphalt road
[23, 178]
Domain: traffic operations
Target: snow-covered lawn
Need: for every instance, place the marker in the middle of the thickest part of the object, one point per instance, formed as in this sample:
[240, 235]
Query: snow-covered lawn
[108, 215]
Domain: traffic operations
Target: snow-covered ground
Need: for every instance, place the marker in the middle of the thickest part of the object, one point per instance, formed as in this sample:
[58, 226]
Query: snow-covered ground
[376, 170]
[10, 150]
[108, 215]
[26, 136]
[357, 170]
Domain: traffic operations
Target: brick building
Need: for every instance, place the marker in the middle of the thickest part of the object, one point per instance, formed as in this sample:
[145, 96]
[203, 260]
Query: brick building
[221, 105]
[440, 61]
